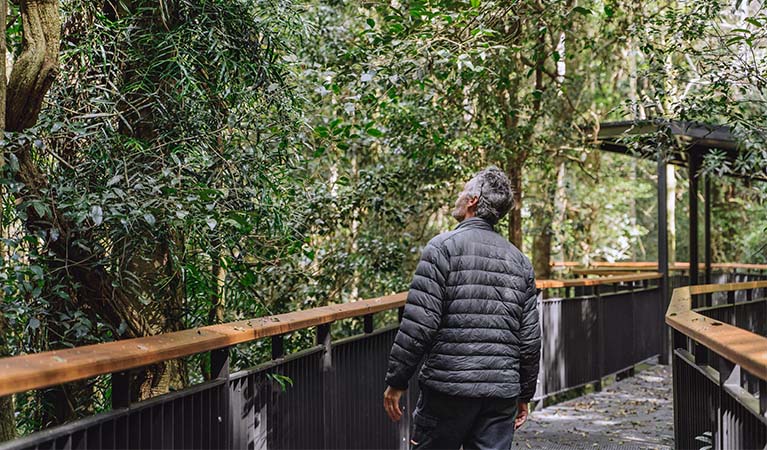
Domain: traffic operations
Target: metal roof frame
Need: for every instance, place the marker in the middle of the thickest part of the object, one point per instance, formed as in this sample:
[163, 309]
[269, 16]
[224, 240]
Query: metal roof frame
[689, 138]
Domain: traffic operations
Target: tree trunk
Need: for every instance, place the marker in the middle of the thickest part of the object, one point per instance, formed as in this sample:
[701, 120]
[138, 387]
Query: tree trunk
[514, 172]
[542, 253]
[560, 208]
[7, 419]
[544, 219]
[3, 77]
[37, 65]
[671, 211]
[32, 76]
[7, 407]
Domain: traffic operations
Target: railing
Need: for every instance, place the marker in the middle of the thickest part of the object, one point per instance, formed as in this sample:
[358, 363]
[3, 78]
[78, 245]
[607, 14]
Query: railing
[601, 268]
[720, 365]
[652, 265]
[329, 395]
[590, 330]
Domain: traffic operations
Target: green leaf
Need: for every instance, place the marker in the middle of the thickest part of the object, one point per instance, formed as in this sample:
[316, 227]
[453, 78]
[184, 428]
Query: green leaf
[37, 270]
[39, 208]
[371, 22]
[475, 3]
[97, 215]
[609, 11]
[375, 132]
[34, 324]
[582, 10]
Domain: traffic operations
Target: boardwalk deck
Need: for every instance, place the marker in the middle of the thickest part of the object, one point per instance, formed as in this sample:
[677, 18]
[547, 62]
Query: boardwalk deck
[635, 413]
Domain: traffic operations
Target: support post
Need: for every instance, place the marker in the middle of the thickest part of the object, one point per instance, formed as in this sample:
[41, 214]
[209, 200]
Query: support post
[219, 363]
[726, 369]
[328, 384]
[693, 166]
[121, 389]
[663, 287]
[368, 323]
[602, 341]
[680, 341]
[219, 370]
[278, 347]
[701, 354]
[707, 230]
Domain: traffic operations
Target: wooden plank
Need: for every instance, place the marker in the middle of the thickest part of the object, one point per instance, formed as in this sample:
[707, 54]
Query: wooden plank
[565, 264]
[726, 287]
[651, 265]
[548, 284]
[748, 350]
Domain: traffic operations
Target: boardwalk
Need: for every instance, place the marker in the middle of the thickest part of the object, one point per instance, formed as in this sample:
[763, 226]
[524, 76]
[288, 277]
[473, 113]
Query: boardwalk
[635, 413]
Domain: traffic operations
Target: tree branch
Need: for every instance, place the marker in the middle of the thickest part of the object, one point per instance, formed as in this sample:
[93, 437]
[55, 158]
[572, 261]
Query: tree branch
[37, 65]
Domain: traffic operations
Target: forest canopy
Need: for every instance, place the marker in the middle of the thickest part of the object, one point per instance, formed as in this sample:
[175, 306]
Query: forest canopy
[176, 163]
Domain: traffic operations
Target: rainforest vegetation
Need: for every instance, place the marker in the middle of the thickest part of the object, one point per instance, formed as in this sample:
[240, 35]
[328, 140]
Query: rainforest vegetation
[169, 164]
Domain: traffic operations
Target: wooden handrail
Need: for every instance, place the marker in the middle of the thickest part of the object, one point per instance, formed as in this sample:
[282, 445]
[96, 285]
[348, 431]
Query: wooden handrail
[548, 284]
[742, 347]
[23, 373]
[650, 265]
[27, 372]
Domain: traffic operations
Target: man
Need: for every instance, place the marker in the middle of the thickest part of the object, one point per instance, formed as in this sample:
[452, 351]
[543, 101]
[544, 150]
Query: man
[471, 312]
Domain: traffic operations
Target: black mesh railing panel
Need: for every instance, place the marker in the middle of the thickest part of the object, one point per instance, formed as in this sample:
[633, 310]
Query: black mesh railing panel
[184, 419]
[359, 419]
[696, 401]
[569, 346]
[741, 428]
[647, 326]
[620, 332]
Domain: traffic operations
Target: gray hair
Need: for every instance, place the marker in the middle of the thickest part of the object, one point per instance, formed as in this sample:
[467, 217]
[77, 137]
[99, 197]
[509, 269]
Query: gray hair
[493, 189]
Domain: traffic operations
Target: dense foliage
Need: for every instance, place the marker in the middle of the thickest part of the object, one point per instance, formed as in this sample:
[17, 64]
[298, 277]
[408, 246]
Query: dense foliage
[199, 161]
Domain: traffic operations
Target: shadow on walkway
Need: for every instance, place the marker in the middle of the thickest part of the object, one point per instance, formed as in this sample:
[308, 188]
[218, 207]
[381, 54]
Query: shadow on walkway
[636, 412]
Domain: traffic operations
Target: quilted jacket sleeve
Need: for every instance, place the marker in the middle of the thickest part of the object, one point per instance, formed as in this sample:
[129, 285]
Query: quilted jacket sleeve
[422, 317]
[530, 343]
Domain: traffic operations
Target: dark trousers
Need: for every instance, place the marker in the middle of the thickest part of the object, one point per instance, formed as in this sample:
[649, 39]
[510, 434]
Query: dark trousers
[448, 422]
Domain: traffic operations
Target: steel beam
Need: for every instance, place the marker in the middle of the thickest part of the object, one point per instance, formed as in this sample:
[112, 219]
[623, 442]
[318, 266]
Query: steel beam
[707, 227]
[692, 195]
[665, 354]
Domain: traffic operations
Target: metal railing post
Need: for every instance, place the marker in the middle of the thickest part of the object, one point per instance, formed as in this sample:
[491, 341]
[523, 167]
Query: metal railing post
[328, 385]
[219, 370]
[368, 323]
[701, 354]
[121, 389]
[278, 347]
[601, 333]
[725, 370]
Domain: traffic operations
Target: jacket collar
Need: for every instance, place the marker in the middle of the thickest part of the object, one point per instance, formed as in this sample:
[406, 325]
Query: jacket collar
[475, 222]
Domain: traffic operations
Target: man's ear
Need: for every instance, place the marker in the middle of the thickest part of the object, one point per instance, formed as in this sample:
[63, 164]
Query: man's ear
[472, 203]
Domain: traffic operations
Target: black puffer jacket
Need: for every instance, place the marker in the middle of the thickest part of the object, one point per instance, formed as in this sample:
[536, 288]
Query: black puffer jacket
[471, 311]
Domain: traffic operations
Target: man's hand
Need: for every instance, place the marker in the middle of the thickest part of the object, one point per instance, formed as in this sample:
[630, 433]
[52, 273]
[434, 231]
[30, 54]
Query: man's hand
[391, 403]
[522, 413]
